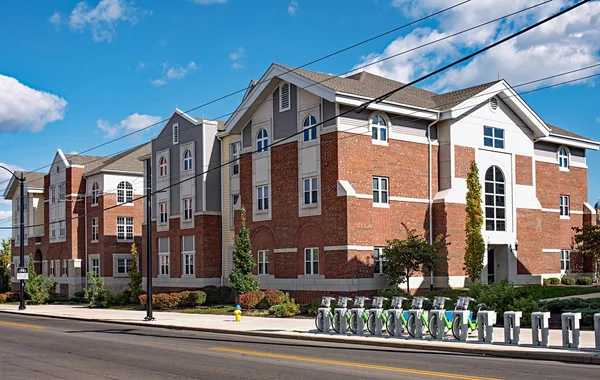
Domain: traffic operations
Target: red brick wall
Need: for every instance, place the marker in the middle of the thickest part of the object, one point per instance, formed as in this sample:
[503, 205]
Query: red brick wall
[463, 156]
[449, 219]
[524, 170]
[551, 182]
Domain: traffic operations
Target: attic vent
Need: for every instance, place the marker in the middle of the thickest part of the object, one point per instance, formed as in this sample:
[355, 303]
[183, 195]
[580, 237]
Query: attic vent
[284, 97]
[494, 103]
[175, 133]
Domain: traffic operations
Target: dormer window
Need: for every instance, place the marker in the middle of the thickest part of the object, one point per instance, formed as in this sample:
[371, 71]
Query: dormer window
[378, 128]
[285, 101]
[563, 158]
[175, 133]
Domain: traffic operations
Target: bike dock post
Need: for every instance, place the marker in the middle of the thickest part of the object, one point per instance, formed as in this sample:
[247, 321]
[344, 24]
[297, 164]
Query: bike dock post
[356, 314]
[395, 314]
[464, 323]
[375, 312]
[418, 322]
[441, 327]
[540, 326]
[339, 314]
[485, 318]
[570, 329]
[323, 312]
[597, 330]
[512, 327]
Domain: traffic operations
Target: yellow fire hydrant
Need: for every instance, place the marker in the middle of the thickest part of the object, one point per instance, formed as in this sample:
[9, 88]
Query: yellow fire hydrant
[238, 313]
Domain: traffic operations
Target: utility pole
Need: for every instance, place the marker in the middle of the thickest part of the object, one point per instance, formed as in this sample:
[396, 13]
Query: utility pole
[22, 242]
[149, 316]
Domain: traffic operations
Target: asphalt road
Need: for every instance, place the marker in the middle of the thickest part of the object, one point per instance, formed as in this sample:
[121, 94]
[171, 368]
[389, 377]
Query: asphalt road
[45, 348]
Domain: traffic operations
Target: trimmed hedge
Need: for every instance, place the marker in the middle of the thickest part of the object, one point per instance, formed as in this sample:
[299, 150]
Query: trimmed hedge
[9, 297]
[218, 295]
[584, 281]
[250, 300]
[192, 298]
[552, 281]
[568, 281]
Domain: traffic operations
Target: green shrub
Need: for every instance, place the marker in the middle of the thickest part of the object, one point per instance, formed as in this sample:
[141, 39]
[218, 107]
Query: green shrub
[272, 297]
[527, 306]
[497, 296]
[251, 299]
[225, 294]
[568, 281]
[95, 292]
[12, 296]
[116, 299]
[568, 305]
[287, 308]
[552, 281]
[3, 297]
[37, 287]
[584, 281]
[192, 298]
[212, 295]
[166, 300]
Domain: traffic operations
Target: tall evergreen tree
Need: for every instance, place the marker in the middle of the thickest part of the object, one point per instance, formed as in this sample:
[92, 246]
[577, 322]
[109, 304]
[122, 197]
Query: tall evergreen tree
[135, 277]
[474, 222]
[241, 279]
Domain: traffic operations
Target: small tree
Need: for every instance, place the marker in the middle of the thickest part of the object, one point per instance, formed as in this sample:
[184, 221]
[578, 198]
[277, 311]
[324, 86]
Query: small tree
[474, 222]
[37, 287]
[135, 277]
[241, 279]
[5, 259]
[94, 293]
[588, 242]
[411, 255]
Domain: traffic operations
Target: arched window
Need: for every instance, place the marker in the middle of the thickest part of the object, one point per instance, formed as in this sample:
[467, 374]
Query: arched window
[310, 131]
[187, 160]
[563, 157]
[163, 167]
[378, 128]
[95, 191]
[495, 206]
[262, 141]
[57, 168]
[124, 192]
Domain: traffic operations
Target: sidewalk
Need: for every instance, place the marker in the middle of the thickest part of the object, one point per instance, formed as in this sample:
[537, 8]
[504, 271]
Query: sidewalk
[304, 329]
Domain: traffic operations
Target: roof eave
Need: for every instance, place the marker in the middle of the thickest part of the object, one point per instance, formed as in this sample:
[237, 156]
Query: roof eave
[571, 141]
[386, 106]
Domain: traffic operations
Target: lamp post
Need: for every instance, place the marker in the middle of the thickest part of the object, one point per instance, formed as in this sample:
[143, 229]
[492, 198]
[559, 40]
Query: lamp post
[22, 235]
[149, 316]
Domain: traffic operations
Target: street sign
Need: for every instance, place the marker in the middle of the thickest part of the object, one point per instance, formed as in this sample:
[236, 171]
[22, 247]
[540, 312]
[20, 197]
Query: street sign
[23, 273]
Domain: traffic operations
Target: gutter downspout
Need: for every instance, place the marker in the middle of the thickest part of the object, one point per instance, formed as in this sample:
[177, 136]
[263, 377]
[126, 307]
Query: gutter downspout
[429, 142]
[222, 213]
[87, 265]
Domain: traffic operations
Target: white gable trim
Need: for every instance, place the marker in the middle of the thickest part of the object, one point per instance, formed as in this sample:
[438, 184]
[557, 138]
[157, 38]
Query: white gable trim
[391, 107]
[62, 157]
[578, 143]
[183, 115]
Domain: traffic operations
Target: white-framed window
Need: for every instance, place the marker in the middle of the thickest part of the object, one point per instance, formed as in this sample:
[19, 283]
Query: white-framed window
[188, 212]
[495, 200]
[380, 263]
[311, 261]
[175, 133]
[57, 168]
[310, 131]
[95, 193]
[188, 163]
[234, 201]
[163, 213]
[51, 270]
[163, 166]
[380, 190]
[564, 205]
[124, 192]
[123, 265]
[563, 157]
[163, 257]
[124, 228]
[62, 193]
[61, 228]
[378, 128]
[94, 229]
[235, 157]
[263, 262]
[95, 266]
[311, 192]
[493, 137]
[285, 101]
[262, 198]
[565, 261]
[52, 229]
[262, 140]
[64, 267]
[53, 194]
[188, 253]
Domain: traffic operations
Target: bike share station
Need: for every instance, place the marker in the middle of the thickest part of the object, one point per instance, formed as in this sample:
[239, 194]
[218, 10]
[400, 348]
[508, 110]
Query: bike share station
[438, 322]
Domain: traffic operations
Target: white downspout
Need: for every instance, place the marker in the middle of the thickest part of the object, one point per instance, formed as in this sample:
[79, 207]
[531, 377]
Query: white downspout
[429, 142]
[222, 213]
[87, 265]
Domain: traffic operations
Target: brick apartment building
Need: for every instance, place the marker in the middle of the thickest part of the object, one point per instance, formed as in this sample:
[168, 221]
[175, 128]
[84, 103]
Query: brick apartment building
[321, 204]
[69, 228]
[186, 204]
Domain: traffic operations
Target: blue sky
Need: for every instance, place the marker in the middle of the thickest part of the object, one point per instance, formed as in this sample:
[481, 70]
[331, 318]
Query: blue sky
[74, 74]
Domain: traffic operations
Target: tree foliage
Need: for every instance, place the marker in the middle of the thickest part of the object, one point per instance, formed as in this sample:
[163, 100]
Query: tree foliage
[94, 293]
[5, 259]
[37, 287]
[241, 279]
[587, 239]
[135, 276]
[406, 257]
[474, 222]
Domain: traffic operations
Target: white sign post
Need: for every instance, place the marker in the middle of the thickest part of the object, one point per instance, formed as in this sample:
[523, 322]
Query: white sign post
[23, 274]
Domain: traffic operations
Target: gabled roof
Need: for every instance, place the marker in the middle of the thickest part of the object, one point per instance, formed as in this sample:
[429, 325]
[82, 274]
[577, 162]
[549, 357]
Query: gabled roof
[122, 162]
[554, 130]
[33, 180]
[454, 98]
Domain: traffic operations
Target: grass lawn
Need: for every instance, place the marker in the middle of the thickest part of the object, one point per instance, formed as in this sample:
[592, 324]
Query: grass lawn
[220, 310]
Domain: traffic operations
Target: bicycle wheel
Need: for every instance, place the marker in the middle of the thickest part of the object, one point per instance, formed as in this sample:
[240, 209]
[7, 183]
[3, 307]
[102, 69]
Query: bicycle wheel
[433, 326]
[391, 325]
[336, 323]
[353, 323]
[319, 321]
[456, 326]
[411, 326]
[371, 324]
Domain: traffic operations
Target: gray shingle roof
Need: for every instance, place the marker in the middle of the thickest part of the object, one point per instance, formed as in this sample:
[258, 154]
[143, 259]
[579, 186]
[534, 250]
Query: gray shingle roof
[124, 162]
[454, 98]
[563, 132]
[33, 179]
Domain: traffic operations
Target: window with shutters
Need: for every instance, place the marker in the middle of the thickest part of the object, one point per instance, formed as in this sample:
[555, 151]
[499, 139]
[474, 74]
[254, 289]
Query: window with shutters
[175, 133]
[285, 101]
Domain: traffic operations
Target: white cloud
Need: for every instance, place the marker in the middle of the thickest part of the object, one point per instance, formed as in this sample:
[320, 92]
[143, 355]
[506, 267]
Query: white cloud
[237, 65]
[208, 2]
[4, 178]
[131, 123]
[73, 152]
[23, 107]
[173, 71]
[5, 214]
[571, 41]
[236, 57]
[101, 20]
[293, 7]
[158, 82]
[141, 65]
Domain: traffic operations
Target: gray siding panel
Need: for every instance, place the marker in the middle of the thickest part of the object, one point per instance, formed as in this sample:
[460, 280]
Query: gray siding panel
[247, 135]
[400, 124]
[285, 123]
[328, 113]
[213, 179]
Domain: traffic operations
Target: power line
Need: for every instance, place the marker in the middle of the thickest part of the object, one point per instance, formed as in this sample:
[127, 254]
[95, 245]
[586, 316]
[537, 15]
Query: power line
[359, 108]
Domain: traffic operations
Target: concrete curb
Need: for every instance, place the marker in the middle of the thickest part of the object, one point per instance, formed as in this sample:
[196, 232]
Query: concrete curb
[581, 357]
